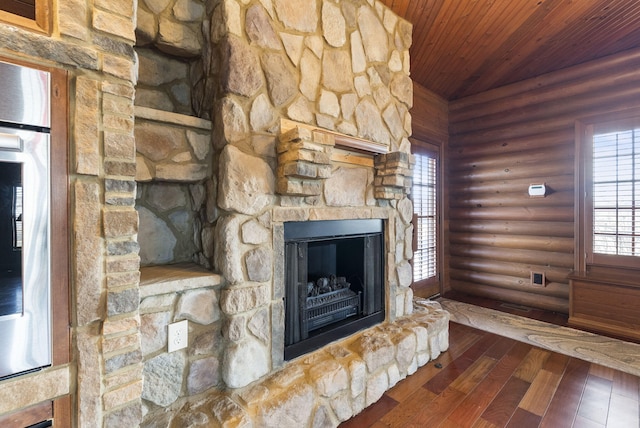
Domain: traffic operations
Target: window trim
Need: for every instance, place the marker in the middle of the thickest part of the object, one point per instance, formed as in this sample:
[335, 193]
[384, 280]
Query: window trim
[585, 259]
[424, 148]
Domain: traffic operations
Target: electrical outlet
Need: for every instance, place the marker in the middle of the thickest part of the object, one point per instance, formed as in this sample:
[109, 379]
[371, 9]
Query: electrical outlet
[177, 335]
[538, 279]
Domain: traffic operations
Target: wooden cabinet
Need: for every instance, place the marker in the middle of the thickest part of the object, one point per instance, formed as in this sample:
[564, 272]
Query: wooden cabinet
[607, 304]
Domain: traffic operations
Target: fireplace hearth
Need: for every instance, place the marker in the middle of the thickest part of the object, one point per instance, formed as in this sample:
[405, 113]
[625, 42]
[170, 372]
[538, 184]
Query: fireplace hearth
[334, 281]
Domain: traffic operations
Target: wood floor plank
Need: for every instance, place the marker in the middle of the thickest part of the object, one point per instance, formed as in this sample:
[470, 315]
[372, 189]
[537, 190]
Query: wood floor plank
[532, 364]
[539, 394]
[523, 419]
[405, 411]
[602, 371]
[500, 348]
[481, 346]
[505, 403]
[404, 389]
[556, 363]
[468, 380]
[371, 414]
[470, 409]
[438, 409]
[588, 423]
[481, 423]
[564, 404]
[623, 412]
[442, 380]
[627, 385]
[594, 404]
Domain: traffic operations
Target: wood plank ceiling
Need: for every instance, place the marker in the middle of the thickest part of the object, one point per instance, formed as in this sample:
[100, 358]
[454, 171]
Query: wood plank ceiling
[464, 47]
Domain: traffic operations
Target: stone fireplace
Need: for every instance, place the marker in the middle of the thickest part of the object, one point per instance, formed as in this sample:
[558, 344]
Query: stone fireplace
[307, 106]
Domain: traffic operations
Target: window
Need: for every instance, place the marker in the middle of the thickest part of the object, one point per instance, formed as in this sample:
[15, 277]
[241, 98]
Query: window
[32, 14]
[612, 194]
[424, 194]
[16, 216]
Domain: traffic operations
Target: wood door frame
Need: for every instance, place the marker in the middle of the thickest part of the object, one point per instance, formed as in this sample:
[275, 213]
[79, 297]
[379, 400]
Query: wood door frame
[431, 286]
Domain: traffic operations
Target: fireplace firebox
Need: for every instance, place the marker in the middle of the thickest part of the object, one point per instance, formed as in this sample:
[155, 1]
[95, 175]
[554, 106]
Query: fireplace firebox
[334, 281]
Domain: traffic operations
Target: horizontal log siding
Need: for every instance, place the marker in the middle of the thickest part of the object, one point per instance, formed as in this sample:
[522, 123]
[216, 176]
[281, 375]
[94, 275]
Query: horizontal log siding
[500, 142]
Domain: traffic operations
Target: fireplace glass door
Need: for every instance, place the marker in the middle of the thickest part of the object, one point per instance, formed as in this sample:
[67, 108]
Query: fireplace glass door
[334, 281]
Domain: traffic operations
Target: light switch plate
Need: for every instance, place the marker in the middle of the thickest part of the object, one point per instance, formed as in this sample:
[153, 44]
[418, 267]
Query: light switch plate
[177, 335]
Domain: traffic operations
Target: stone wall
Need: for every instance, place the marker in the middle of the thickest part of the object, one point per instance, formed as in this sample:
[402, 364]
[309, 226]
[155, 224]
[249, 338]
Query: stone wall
[93, 41]
[331, 385]
[245, 66]
[340, 67]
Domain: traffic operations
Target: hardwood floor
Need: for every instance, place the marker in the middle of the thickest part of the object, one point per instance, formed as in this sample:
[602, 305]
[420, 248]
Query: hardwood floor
[487, 381]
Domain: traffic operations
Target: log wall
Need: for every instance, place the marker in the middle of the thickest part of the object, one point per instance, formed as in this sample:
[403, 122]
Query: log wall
[500, 142]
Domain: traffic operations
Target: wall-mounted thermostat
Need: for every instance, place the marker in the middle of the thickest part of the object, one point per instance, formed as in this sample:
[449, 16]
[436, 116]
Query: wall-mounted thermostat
[537, 190]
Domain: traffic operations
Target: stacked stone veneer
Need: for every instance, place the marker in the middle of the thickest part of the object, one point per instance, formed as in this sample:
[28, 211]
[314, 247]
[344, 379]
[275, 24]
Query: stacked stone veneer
[304, 162]
[329, 386]
[244, 65]
[341, 66]
[393, 175]
[93, 41]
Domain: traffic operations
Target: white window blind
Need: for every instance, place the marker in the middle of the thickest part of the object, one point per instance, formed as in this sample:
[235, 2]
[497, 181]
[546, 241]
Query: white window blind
[616, 193]
[17, 217]
[424, 208]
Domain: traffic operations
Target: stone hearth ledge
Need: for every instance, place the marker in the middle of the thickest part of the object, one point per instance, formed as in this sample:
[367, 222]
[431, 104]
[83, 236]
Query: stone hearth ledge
[328, 386]
[179, 277]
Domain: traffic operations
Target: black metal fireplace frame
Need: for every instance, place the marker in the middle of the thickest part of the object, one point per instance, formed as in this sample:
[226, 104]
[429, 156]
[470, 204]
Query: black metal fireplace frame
[296, 233]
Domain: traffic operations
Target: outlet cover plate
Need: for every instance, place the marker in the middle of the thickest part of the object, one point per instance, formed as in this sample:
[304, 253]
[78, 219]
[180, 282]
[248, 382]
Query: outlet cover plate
[177, 335]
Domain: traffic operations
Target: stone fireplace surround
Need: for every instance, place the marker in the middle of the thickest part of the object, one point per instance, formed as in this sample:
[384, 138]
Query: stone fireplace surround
[238, 374]
[339, 70]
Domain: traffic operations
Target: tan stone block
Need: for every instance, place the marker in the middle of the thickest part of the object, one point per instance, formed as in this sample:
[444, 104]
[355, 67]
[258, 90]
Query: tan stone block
[393, 180]
[293, 187]
[86, 120]
[324, 171]
[125, 90]
[28, 390]
[282, 215]
[116, 280]
[122, 7]
[296, 134]
[117, 122]
[113, 344]
[120, 326]
[122, 395]
[119, 66]
[120, 146]
[305, 155]
[88, 252]
[123, 264]
[123, 377]
[339, 213]
[89, 377]
[298, 169]
[114, 24]
[119, 223]
[324, 138]
[72, 19]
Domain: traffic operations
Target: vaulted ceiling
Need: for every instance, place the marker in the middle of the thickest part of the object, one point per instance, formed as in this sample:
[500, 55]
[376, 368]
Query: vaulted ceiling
[464, 47]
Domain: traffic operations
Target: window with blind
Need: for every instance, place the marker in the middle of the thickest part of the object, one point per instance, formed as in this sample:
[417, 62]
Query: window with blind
[424, 196]
[612, 193]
